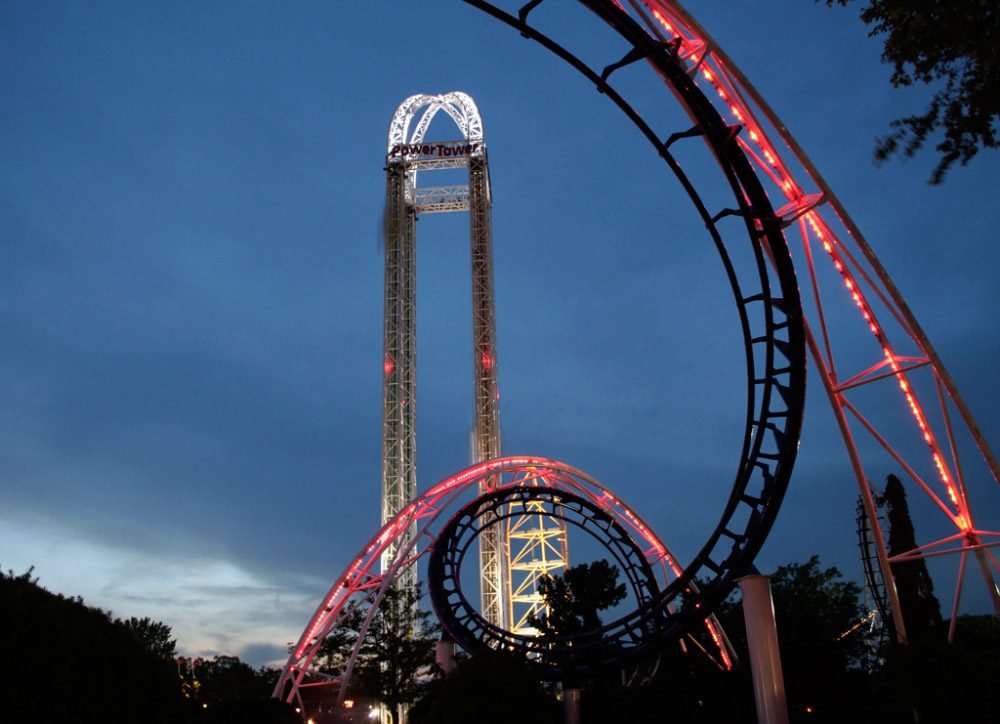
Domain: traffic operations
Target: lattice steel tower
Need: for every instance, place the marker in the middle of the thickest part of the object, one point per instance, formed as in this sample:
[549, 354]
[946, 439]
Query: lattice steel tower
[515, 555]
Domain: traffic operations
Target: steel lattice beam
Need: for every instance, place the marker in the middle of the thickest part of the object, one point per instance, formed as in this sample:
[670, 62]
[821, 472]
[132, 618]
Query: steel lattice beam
[407, 153]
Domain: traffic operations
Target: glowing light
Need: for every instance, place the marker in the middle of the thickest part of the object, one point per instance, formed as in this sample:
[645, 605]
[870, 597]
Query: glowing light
[389, 365]
[663, 21]
[713, 631]
[890, 357]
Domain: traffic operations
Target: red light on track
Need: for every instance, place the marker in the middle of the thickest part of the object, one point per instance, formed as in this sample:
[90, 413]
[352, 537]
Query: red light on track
[389, 365]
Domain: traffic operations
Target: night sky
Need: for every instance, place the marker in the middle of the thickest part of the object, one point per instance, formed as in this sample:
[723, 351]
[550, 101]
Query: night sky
[190, 204]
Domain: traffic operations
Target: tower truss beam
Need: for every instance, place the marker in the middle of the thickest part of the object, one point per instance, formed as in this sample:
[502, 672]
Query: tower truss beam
[408, 155]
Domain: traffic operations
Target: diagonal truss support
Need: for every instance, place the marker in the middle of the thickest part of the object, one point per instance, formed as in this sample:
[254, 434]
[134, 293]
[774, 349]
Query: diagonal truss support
[902, 356]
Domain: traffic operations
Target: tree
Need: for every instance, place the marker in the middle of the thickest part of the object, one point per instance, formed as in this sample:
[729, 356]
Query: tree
[398, 646]
[697, 690]
[487, 688]
[952, 45]
[396, 649]
[61, 660]
[574, 599]
[921, 610]
[815, 611]
[226, 678]
[335, 650]
[250, 711]
[949, 683]
[573, 603]
[153, 635]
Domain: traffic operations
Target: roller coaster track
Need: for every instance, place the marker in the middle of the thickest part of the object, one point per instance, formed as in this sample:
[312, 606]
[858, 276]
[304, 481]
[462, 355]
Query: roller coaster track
[838, 267]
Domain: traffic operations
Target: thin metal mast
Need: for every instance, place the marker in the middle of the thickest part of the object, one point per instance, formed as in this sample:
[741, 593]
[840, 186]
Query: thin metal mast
[399, 474]
[492, 561]
[533, 540]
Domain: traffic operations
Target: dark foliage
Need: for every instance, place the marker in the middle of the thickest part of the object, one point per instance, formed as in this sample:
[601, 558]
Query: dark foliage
[333, 654]
[979, 634]
[573, 604]
[153, 635]
[250, 711]
[399, 646]
[946, 683]
[226, 678]
[686, 688]
[487, 688]
[953, 46]
[397, 649]
[682, 686]
[813, 608]
[63, 661]
[921, 610]
[575, 598]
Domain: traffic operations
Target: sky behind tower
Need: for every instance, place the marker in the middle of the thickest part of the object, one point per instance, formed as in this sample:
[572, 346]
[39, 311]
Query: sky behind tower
[190, 205]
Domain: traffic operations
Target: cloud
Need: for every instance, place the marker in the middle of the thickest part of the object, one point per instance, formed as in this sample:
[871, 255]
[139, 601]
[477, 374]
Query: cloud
[214, 606]
[264, 653]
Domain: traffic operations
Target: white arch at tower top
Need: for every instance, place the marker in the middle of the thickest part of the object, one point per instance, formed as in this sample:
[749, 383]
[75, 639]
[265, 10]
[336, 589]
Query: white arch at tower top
[458, 105]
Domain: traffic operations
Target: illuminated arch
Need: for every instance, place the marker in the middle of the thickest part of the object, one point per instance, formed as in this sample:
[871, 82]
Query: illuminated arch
[458, 105]
[362, 584]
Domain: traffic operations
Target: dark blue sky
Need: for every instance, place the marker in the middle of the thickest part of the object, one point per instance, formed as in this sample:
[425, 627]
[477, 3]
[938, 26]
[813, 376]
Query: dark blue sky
[190, 199]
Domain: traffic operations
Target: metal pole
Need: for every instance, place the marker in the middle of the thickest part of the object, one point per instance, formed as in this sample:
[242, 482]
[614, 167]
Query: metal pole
[444, 654]
[571, 706]
[864, 490]
[765, 658]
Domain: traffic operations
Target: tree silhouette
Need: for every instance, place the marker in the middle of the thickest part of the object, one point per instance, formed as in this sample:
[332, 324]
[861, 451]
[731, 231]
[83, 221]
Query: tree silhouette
[814, 609]
[487, 688]
[574, 599]
[61, 660]
[396, 649]
[226, 678]
[153, 635]
[921, 610]
[951, 44]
